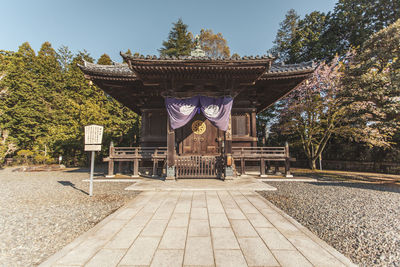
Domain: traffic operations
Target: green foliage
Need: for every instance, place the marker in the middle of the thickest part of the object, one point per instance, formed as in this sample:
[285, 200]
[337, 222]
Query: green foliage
[104, 60]
[45, 102]
[353, 22]
[213, 44]
[320, 36]
[306, 44]
[24, 156]
[372, 81]
[285, 35]
[179, 41]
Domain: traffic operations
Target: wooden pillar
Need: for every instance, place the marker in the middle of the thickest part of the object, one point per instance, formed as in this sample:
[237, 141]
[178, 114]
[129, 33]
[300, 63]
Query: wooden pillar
[262, 167]
[111, 161]
[136, 163]
[228, 152]
[170, 152]
[155, 163]
[120, 165]
[254, 126]
[287, 161]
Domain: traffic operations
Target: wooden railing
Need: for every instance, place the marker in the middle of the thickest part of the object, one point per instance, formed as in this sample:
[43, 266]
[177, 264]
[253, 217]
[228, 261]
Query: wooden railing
[263, 154]
[135, 154]
[138, 152]
[196, 166]
[277, 153]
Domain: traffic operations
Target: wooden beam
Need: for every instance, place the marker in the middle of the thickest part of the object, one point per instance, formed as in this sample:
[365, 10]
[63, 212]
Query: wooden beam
[170, 151]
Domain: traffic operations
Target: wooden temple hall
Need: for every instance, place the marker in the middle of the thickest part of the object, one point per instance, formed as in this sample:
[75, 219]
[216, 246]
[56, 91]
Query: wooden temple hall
[198, 113]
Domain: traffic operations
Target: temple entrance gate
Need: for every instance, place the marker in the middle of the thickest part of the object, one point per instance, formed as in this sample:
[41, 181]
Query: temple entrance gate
[198, 137]
[198, 150]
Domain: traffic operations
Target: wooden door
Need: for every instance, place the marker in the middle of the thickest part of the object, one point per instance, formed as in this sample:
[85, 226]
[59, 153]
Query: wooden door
[198, 137]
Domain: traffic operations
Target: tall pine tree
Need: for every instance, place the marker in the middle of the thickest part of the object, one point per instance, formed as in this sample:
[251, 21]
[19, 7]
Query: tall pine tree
[179, 41]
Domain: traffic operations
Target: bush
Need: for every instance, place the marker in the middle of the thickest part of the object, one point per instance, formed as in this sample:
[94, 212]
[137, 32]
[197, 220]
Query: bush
[24, 156]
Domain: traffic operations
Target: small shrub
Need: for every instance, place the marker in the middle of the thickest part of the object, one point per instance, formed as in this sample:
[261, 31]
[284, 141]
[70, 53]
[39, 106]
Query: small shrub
[24, 156]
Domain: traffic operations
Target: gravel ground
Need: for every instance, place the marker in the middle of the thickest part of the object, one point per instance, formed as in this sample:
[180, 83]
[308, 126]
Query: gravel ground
[360, 220]
[41, 212]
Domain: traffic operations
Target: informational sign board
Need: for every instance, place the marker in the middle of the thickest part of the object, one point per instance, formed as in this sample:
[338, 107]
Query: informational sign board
[93, 137]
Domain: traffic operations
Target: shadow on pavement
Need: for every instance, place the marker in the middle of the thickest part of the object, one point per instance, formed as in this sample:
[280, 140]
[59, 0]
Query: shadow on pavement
[68, 183]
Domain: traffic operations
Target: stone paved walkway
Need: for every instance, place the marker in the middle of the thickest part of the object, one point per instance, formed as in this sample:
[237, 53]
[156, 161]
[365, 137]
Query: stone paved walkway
[198, 228]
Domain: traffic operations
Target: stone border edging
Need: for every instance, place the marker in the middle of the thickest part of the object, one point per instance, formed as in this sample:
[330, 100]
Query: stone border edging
[65, 250]
[311, 235]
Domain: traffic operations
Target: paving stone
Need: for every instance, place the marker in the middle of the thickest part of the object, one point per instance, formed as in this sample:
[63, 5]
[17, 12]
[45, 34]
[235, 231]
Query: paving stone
[141, 252]
[224, 238]
[128, 213]
[164, 212]
[218, 220]
[183, 207]
[199, 213]
[199, 200]
[258, 220]
[229, 258]
[166, 229]
[199, 251]
[274, 239]
[243, 228]
[258, 202]
[256, 253]
[110, 229]
[282, 224]
[141, 219]
[199, 228]
[291, 258]
[235, 214]
[125, 238]
[179, 220]
[154, 228]
[155, 202]
[82, 253]
[244, 204]
[313, 252]
[214, 205]
[267, 211]
[168, 258]
[106, 258]
[227, 200]
[174, 238]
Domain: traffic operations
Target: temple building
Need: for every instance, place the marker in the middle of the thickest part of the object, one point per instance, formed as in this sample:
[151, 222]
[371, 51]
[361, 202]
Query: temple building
[198, 113]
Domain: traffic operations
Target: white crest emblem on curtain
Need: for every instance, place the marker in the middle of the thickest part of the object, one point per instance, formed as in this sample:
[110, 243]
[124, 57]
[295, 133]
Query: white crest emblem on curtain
[186, 109]
[211, 111]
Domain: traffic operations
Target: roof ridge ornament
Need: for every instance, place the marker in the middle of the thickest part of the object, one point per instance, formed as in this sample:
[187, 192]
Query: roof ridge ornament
[197, 52]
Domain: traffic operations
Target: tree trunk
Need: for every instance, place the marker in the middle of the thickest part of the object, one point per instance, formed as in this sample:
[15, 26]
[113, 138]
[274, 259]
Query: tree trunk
[311, 163]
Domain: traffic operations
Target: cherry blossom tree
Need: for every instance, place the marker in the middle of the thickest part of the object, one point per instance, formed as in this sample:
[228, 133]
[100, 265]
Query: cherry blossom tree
[313, 112]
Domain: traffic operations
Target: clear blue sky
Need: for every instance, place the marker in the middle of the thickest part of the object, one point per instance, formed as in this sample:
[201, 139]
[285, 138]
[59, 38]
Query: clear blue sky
[102, 26]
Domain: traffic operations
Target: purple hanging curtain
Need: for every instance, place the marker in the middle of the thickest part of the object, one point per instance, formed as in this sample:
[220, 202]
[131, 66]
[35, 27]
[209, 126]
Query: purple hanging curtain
[181, 111]
[216, 110]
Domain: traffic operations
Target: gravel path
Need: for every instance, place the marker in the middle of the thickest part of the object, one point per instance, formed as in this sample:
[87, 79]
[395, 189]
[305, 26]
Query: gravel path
[360, 220]
[41, 212]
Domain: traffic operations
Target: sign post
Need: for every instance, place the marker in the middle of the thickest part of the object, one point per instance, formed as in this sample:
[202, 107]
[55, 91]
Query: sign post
[93, 138]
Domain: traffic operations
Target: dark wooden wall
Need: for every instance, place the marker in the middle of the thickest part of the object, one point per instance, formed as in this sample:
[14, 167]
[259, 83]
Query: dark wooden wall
[154, 132]
[154, 128]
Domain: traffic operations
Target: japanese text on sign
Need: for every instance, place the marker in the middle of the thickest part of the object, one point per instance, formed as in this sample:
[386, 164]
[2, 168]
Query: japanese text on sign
[93, 134]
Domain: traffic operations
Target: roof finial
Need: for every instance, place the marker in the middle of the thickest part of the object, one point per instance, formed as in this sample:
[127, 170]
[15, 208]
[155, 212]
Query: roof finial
[198, 52]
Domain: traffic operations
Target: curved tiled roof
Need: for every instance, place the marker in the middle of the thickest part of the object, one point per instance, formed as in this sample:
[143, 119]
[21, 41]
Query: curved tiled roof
[192, 58]
[121, 71]
[118, 71]
[280, 70]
